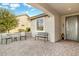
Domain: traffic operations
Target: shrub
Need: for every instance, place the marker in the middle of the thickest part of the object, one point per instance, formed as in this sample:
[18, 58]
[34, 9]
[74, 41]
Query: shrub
[28, 30]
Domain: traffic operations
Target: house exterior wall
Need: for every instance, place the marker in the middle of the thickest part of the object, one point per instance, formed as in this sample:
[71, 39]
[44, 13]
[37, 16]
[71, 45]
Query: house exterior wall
[57, 28]
[23, 22]
[58, 21]
[55, 21]
[48, 27]
[34, 26]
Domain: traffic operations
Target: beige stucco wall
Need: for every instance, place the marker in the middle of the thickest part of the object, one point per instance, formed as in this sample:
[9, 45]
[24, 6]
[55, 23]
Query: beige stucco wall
[22, 20]
[57, 28]
[34, 26]
[49, 27]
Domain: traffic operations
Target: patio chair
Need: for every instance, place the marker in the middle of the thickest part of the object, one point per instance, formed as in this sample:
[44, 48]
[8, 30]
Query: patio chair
[0, 38]
[22, 34]
[41, 35]
[28, 34]
[15, 36]
[5, 36]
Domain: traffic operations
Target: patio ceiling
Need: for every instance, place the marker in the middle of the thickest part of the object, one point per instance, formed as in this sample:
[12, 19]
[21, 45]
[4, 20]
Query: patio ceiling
[65, 8]
[61, 8]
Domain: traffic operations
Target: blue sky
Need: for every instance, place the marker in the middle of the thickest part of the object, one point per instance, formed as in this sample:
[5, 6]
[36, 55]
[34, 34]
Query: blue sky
[21, 8]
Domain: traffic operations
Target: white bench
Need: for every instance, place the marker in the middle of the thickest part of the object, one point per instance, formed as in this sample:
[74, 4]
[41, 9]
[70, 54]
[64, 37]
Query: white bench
[41, 35]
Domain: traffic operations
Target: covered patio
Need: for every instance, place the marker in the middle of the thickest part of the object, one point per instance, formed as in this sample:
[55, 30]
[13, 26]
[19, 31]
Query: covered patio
[54, 25]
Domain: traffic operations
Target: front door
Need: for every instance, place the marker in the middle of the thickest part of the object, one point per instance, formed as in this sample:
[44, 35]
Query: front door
[71, 28]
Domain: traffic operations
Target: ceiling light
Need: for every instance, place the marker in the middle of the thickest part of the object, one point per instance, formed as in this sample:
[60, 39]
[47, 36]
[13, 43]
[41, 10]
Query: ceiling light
[69, 9]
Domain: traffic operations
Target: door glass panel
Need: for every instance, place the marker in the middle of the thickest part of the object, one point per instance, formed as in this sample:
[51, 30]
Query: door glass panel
[71, 28]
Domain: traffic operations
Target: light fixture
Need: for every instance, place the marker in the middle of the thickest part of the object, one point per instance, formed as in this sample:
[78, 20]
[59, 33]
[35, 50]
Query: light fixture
[69, 9]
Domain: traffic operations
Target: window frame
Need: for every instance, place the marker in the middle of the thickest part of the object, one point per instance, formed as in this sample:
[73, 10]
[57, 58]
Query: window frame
[38, 25]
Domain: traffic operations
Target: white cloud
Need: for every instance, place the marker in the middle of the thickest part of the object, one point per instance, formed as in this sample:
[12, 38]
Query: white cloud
[0, 6]
[27, 12]
[4, 7]
[12, 8]
[27, 5]
[14, 5]
[5, 3]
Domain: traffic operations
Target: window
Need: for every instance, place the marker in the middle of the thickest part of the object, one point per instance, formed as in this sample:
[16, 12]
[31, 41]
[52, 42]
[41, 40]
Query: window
[40, 24]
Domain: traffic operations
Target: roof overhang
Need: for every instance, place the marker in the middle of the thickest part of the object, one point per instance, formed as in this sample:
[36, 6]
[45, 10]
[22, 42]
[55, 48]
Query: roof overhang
[59, 8]
[38, 16]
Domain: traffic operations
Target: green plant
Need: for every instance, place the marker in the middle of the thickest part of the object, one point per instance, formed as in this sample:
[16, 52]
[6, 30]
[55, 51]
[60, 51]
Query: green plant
[7, 20]
[28, 30]
[21, 30]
